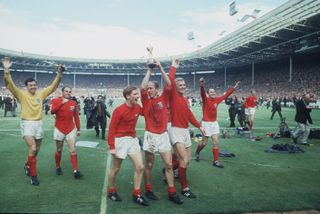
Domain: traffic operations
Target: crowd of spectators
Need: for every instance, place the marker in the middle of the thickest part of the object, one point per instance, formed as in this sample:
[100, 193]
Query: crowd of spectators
[270, 81]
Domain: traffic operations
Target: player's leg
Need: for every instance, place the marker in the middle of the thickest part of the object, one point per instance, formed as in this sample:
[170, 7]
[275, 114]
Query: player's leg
[137, 162]
[215, 151]
[172, 194]
[200, 146]
[149, 157]
[31, 166]
[183, 156]
[71, 140]
[57, 156]
[251, 116]
[112, 191]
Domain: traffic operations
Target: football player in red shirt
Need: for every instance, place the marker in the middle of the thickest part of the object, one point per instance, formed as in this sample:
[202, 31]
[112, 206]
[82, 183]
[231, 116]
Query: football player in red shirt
[67, 127]
[179, 133]
[249, 108]
[123, 142]
[209, 120]
[156, 138]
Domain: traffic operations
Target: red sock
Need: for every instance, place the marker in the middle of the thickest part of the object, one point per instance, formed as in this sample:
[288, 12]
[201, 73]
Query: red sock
[149, 187]
[171, 190]
[175, 162]
[33, 165]
[136, 192]
[74, 162]
[112, 190]
[215, 151]
[57, 157]
[182, 177]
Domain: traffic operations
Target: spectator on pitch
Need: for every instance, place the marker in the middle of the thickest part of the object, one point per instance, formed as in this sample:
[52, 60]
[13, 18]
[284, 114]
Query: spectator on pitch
[234, 109]
[1, 101]
[31, 113]
[179, 134]
[249, 107]
[123, 142]
[8, 105]
[156, 138]
[98, 117]
[209, 119]
[276, 107]
[67, 127]
[303, 119]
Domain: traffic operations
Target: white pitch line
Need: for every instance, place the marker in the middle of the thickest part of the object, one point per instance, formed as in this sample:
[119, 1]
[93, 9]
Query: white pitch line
[15, 135]
[103, 205]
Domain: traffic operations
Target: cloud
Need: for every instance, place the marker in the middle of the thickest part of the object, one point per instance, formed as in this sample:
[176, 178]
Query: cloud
[70, 38]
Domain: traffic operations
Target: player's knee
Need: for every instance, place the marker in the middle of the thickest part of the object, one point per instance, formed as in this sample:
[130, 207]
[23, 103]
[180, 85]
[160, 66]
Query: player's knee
[140, 168]
[184, 162]
[72, 152]
[33, 149]
[168, 166]
[150, 164]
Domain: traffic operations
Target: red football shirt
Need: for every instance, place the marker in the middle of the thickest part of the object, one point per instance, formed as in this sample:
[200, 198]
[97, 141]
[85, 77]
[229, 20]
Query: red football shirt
[123, 122]
[250, 102]
[67, 115]
[210, 105]
[155, 111]
[180, 112]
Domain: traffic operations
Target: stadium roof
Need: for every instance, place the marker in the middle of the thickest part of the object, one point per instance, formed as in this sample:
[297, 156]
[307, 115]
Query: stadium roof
[290, 29]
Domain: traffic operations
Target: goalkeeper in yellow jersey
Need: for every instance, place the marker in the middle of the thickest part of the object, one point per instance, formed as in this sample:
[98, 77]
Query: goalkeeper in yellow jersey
[31, 102]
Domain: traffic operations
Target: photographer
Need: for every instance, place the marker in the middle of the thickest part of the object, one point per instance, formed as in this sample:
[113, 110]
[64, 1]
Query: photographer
[303, 119]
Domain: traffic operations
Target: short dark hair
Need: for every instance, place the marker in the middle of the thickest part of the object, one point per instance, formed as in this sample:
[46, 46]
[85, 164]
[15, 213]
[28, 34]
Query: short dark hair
[100, 96]
[64, 87]
[156, 84]
[127, 90]
[29, 80]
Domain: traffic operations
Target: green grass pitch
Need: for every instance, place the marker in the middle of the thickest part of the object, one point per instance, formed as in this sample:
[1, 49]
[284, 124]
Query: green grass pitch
[253, 181]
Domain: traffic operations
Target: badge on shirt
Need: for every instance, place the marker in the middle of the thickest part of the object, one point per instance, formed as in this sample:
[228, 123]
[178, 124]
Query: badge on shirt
[159, 104]
[71, 108]
[38, 101]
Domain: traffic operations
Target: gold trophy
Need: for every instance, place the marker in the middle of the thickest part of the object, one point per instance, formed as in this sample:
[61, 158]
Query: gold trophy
[151, 61]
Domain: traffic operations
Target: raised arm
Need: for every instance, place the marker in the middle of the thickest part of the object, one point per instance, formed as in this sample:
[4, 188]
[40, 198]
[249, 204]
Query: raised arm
[8, 79]
[165, 77]
[144, 84]
[228, 93]
[55, 83]
[202, 90]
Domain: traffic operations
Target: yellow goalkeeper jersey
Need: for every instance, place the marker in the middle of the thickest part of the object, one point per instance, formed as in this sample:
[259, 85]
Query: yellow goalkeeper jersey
[31, 104]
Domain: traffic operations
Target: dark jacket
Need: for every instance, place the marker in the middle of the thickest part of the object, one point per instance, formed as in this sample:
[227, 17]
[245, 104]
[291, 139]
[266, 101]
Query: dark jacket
[276, 105]
[302, 113]
[95, 118]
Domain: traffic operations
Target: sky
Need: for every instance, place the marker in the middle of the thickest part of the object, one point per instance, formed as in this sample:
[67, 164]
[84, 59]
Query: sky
[119, 29]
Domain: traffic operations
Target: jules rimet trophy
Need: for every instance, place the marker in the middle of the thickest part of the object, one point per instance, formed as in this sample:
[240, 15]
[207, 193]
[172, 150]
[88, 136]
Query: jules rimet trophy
[151, 61]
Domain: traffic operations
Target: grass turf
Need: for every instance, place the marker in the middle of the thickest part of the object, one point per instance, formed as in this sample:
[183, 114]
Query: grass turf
[253, 181]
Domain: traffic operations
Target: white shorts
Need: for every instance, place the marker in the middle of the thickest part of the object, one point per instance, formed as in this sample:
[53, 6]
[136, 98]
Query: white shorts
[32, 128]
[126, 146]
[156, 142]
[249, 111]
[58, 135]
[181, 135]
[211, 128]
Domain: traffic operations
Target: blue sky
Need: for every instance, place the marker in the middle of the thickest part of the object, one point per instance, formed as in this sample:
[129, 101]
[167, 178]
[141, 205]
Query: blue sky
[118, 28]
